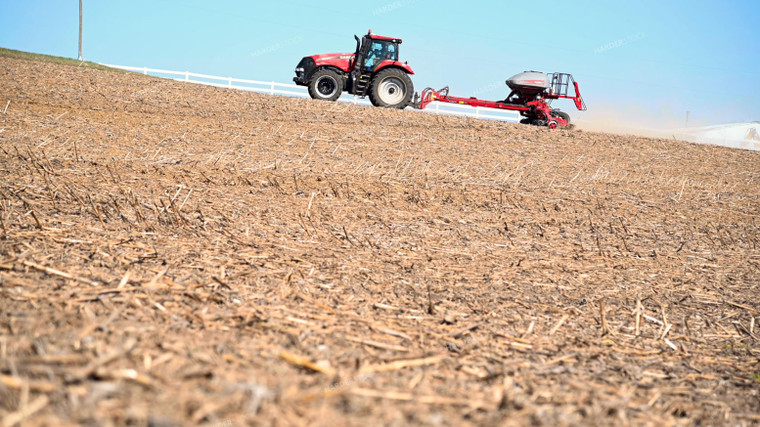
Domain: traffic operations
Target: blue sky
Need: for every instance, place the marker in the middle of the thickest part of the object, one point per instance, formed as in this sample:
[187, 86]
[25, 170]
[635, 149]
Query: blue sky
[645, 61]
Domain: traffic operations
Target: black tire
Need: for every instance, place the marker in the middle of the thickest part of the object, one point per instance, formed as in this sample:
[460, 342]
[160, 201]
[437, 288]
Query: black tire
[391, 88]
[326, 85]
[561, 114]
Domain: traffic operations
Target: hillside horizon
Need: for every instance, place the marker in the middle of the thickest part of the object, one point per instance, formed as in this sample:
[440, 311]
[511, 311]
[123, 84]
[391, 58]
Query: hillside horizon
[175, 254]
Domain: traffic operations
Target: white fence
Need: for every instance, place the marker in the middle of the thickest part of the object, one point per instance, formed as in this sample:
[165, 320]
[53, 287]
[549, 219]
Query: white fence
[274, 88]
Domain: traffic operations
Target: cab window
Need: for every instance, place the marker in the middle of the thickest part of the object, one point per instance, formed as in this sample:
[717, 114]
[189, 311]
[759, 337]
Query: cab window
[379, 51]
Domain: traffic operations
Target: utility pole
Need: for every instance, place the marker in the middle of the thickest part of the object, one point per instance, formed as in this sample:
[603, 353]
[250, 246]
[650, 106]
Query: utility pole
[80, 30]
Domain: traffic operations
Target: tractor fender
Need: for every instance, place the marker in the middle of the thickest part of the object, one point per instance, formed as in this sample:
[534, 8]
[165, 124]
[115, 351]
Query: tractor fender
[329, 67]
[394, 64]
[340, 72]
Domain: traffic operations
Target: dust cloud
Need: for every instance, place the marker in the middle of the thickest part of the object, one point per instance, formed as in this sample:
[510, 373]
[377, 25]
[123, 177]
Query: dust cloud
[632, 120]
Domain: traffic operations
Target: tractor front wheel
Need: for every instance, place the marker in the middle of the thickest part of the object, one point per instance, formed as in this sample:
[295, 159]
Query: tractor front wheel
[391, 88]
[326, 85]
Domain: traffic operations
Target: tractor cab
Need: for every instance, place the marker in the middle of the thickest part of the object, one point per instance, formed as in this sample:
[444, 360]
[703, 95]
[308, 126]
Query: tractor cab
[373, 50]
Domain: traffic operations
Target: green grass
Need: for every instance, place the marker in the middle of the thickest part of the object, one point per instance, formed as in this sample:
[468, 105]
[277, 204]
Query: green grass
[10, 53]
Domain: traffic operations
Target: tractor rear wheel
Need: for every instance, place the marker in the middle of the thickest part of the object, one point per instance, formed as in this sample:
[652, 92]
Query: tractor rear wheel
[391, 88]
[326, 85]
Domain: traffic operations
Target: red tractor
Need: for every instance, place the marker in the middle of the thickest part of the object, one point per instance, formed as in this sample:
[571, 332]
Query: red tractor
[373, 70]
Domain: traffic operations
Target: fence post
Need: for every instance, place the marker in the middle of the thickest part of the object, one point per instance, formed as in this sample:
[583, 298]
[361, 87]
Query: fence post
[271, 88]
[477, 112]
[145, 70]
[187, 76]
[229, 81]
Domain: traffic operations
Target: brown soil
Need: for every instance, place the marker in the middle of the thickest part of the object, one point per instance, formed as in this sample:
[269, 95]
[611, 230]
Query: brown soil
[173, 254]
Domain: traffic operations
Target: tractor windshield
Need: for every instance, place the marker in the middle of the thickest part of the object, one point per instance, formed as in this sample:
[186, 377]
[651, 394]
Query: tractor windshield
[379, 51]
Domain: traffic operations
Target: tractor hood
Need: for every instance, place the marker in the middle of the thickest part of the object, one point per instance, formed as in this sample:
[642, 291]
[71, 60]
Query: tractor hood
[340, 60]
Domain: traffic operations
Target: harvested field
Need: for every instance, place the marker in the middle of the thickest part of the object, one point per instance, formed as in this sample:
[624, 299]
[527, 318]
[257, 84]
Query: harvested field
[174, 254]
